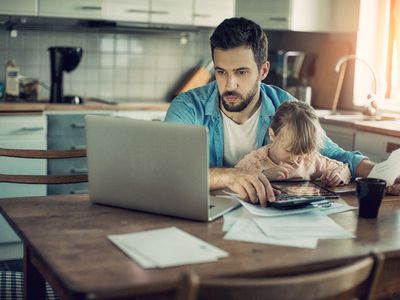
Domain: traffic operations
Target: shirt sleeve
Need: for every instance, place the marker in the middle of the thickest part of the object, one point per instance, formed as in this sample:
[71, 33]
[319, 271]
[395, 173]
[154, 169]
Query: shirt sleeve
[256, 160]
[180, 111]
[333, 151]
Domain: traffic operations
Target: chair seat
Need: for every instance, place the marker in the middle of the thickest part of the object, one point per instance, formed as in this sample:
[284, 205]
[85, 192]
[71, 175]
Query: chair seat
[12, 286]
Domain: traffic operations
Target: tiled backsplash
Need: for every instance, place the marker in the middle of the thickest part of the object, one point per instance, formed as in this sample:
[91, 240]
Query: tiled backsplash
[134, 65]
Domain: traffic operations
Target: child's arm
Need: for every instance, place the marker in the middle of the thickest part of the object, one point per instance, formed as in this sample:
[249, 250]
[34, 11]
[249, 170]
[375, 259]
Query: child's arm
[259, 161]
[331, 172]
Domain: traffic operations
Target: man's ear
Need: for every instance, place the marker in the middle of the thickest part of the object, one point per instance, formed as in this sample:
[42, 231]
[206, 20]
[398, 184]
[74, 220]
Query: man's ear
[271, 134]
[264, 70]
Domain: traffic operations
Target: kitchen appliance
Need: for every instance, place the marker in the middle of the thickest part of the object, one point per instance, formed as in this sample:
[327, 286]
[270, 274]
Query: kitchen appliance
[62, 59]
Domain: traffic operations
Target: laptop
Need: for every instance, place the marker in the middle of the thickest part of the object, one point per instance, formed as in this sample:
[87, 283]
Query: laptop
[151, 166]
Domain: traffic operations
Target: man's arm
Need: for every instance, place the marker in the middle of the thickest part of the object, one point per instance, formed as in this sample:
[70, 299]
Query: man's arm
[253, 186]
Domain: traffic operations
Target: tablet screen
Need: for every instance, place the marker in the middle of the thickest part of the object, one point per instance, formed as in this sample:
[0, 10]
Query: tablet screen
[303, 188]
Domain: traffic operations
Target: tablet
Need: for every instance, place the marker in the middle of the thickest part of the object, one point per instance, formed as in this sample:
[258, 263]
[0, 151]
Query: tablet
[296, 194]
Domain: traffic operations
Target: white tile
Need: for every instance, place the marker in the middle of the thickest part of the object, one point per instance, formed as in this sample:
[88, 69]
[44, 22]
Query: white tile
[107, 60]
[92, 58]
[121, 75]
[121, 60]
[136, 46]
[107, 44]
[92, 75]
[121, 45]
[107, 75]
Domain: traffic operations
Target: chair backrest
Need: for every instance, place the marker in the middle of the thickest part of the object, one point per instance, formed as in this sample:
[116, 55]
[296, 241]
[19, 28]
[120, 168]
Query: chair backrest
[355, 280]
[43, 154]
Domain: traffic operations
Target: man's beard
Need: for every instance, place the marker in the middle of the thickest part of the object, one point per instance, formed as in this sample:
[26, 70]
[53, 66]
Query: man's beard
[245, 101]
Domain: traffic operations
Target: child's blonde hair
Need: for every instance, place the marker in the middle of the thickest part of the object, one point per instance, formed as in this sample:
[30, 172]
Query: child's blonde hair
[296, 128]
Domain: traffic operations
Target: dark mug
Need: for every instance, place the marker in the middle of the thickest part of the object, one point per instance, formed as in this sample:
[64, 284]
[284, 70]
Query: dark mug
[370, 192]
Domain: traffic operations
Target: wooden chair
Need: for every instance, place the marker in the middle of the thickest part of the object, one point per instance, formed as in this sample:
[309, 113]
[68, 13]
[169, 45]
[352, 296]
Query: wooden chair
[352, 281]
[43, 154]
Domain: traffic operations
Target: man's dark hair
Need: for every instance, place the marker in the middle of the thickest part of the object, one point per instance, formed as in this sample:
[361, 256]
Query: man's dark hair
[236, 32]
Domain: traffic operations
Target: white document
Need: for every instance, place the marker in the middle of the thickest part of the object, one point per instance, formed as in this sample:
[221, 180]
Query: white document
[388, 169]
[231, 217]
[303, 225]
[246, 230]
[166, 247]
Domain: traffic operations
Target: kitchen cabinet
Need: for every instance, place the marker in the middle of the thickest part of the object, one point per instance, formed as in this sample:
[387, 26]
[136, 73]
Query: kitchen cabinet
[302, 15]
[20, 132]
[126, 10]
[171, 12]
[210, 13]
[19, 7]
[80, 9]
[66, 130]
[376, 146]
[341, 135]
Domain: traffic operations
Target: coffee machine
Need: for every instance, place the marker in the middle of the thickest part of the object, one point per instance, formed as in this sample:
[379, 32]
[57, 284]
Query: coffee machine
[62, 59]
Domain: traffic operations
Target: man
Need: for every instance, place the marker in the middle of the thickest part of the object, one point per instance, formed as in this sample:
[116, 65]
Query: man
[237, 109]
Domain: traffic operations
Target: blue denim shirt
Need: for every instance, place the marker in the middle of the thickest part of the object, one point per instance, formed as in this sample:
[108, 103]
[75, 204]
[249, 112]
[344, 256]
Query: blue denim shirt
[200, 107]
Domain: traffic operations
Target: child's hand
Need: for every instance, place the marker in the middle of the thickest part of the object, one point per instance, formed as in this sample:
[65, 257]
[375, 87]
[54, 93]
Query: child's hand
[333, 177]
[279, 172]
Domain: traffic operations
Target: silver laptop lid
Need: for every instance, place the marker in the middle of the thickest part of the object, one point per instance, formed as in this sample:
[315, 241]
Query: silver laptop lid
[150, 166]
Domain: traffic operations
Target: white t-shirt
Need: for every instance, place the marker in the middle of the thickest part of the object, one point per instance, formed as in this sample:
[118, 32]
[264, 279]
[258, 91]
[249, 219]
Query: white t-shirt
[239, 139]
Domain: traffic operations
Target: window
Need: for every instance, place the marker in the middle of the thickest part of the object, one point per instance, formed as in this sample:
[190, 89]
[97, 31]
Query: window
[393, 67]
[378, 42]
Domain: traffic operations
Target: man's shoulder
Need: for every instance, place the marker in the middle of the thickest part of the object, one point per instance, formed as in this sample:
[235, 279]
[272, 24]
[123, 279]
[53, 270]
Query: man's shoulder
[275, 93]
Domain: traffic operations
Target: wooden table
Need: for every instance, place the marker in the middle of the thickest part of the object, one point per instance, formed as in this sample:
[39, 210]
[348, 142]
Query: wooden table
[66, 243]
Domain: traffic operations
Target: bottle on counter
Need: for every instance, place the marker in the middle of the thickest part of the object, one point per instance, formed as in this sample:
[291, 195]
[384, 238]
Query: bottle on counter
[12, 80]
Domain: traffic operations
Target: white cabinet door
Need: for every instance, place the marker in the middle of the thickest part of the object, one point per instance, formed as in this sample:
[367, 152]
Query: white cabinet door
[377, 147]
[171, 12]
[126, 10]
[19, 7]
[81, 9]
[341, 135]
[211, 13]
[302, 15]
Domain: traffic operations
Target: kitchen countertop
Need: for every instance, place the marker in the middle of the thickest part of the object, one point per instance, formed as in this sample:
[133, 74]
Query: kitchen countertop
[362, 123]
[18, 107]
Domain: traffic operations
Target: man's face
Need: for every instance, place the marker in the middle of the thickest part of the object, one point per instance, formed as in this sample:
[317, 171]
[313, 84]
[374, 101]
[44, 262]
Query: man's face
[238, 77]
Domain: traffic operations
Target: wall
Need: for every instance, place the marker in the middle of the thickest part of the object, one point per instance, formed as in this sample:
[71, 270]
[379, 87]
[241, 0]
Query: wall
[137, 66]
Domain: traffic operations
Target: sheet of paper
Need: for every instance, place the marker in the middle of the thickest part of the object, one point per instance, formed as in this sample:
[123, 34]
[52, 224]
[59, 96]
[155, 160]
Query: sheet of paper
[246, 230]
[274, 212]
[303, 225]
[178, 248]
[231, 217]
[388, 169]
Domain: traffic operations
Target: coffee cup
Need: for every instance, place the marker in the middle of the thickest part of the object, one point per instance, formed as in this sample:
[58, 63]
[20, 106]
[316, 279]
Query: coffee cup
[370, 192]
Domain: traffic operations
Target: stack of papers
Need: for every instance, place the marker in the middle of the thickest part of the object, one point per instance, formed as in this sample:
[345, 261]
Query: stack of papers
[295, 228]
[166, 247]
[389, 169]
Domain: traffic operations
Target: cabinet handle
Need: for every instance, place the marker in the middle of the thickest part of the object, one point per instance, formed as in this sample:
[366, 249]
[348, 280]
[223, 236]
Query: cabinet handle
[78, 125]
[32, 128]
[77, 147]
[202, 15]
[90, 7]
[78, 170]
[159, 12]
[278, 19]
[78, 191]
[139, 11]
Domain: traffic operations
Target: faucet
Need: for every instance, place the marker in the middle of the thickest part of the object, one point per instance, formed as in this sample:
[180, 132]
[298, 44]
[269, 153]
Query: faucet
[371, 105]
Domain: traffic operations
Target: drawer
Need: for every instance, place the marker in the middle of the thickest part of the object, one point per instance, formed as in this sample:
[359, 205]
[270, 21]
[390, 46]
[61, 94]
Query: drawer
[66, 125]
[67, 166]
[11, 190]
[28, 126]
[67, 189]
[67, 142]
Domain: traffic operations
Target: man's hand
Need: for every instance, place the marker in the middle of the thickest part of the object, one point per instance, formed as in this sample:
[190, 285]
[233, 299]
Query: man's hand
[395, 188]
[251, 186]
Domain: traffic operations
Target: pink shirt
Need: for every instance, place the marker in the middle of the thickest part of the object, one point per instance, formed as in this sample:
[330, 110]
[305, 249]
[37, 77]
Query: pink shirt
[310, 168]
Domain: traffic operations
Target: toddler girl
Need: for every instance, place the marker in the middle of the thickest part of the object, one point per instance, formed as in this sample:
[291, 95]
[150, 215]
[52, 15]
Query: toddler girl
[293, 151]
